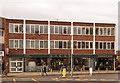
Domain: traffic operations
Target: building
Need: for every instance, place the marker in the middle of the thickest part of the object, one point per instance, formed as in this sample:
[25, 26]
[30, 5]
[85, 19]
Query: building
[1, 40]
[31, 43]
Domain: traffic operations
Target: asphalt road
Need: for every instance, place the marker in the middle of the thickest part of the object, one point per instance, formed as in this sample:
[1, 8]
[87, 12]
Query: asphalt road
[96, 78]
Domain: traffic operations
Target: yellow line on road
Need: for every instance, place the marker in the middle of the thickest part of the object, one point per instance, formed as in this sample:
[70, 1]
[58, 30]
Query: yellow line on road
[35, 80]
[14, 80]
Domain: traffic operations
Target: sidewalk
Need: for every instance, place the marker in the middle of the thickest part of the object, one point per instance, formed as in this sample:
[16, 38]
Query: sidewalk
[56, 73]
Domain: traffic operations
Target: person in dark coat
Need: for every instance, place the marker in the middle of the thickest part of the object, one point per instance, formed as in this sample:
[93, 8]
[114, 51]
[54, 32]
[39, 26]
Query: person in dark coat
[44, 70]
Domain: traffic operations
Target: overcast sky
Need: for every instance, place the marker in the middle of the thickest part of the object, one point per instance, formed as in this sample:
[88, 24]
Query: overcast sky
[69, 10]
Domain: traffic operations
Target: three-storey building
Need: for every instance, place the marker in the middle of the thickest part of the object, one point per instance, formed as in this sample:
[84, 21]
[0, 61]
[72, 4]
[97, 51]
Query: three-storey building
[31, 43]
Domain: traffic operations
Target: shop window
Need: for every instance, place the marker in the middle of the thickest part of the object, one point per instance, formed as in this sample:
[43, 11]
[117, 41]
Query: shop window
[87, 45]
[20, 43]
[75, 44]
[91, 31]
[104, 45]
[45, 44]
[28, 44]
[45, 29]
[37, 44]
[79, 30]
[56, 44]
[52, 29]
[108, 31]
[10, 28]
[51, 44]
[83, 30]
[28, 29]
[60, 29]
[105, 31]
[37, 29]
[16, 28]
[16, 43]
[60, 44]
[87, 30]
[79, 45]
[97, 31]
[91, 44]
[32, 29]
[56, 29]
[112, 31]
[41, 44]
[75, 30]
[96, 45]
[112, 45]
[83, 44]
[20, 28]
[41, 29]
[100, 45]
[32, 44]
[108, 45]
[11, 43]
[101, 31]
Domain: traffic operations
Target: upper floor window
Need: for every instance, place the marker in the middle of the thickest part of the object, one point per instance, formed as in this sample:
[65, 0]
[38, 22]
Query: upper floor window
[15, 28]
[36, 29]
[104, 31]
[104, 45]
[56, 29]
[83, 45]
[79, 30]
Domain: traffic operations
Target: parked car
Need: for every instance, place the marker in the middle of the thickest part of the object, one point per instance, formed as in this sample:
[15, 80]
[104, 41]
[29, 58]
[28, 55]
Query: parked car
[118, 67]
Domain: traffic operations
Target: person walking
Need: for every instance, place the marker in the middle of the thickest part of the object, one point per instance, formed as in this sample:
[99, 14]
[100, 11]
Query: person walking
[44, 70]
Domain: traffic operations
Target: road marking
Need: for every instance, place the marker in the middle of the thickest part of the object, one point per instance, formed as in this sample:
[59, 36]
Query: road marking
[14, 80]
[35, 80]
[56, 79]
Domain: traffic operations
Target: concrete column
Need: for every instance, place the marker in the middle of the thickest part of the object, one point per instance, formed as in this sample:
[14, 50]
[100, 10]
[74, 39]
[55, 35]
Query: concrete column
[91, 65]
[48, 37]
[94, 38]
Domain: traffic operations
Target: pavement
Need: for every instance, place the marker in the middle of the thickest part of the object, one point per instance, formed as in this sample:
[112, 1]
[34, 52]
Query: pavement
[56, 77]
[56, 73]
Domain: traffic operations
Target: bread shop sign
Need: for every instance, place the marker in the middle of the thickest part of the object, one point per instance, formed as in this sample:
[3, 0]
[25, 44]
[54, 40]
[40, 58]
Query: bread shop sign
[1, 53]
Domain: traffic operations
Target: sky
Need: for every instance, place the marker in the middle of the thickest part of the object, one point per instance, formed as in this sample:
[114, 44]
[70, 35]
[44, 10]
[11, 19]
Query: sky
[102, 11]
[68, 10]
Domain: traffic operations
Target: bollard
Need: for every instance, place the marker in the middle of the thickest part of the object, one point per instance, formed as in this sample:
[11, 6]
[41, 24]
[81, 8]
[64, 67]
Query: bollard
[106, 69]
[41, 71]
[81, 70]
[98, 70]
[115, 70]
[51, 70]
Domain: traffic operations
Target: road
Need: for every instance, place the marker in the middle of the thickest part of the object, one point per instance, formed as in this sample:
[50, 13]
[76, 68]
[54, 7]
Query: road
[96, 78]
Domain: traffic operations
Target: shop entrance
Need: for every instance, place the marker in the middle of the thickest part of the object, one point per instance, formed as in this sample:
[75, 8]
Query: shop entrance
[16, 65]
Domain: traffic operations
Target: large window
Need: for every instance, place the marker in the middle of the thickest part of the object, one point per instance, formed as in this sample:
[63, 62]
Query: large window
[56, 29]
[105, 31]
[15, 28]
[79, 30]
[104, 45]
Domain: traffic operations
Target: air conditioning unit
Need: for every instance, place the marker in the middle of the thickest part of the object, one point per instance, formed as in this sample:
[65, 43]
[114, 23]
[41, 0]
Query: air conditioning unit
[1, 53]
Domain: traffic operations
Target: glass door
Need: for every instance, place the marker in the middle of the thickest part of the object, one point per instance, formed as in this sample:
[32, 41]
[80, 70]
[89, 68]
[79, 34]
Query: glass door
[16, 66]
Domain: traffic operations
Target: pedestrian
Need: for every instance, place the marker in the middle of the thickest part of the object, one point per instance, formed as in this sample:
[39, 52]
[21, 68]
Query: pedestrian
[44, 70]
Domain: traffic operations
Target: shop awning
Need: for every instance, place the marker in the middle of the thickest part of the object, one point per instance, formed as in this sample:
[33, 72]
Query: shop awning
[16, 55]
[38, 55]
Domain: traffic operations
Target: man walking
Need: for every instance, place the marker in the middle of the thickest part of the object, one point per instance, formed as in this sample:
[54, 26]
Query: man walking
[44, 70]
